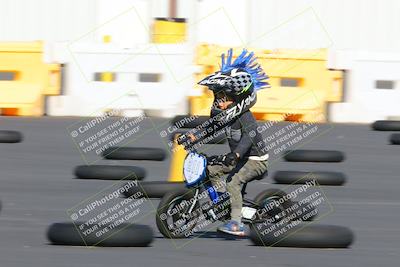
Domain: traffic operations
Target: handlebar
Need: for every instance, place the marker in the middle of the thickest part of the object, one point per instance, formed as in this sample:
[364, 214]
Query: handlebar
[185, 141]
[182, 138]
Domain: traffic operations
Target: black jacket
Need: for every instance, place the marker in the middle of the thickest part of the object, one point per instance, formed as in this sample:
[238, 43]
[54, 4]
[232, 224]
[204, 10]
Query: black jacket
[243, 137]
[241, 133]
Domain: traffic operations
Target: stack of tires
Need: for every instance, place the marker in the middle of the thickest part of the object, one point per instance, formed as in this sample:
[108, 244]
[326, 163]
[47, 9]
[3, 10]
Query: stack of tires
[391, 126]
[307, 235]
[120, 172]
[149, 189]
[124, 235]
[10, 137]
[312, 156]
[117, 235]
[303, 234]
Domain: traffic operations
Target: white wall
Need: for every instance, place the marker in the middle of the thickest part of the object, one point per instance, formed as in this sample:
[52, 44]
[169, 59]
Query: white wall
[126, 21]
[340, 24]
[83, 96]
[222, 22]
[368, 25]
[343, 24]
[51, 20]
[363, 101]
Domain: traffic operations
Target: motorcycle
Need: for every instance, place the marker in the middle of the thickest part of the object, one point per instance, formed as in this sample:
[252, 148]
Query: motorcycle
[181, 212]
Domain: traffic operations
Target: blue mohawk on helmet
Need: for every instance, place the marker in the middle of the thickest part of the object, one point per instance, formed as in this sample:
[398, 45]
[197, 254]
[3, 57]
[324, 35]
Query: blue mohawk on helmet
[247, 62]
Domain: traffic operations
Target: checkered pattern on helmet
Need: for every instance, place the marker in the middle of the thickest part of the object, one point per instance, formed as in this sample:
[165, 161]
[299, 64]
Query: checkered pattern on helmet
[239, 82]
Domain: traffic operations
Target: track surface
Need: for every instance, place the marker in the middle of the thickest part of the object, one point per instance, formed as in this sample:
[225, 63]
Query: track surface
[37, 187]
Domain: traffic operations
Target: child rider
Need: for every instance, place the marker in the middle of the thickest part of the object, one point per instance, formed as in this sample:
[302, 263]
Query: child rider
[234, 88]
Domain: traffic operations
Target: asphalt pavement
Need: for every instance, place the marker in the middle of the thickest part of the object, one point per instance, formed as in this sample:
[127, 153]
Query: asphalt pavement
[38, 187]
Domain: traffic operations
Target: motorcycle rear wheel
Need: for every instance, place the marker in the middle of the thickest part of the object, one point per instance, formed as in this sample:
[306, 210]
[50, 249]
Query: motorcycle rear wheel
[272, 208]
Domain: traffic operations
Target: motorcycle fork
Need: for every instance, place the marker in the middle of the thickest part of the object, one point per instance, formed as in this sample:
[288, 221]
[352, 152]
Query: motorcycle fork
[196, 194]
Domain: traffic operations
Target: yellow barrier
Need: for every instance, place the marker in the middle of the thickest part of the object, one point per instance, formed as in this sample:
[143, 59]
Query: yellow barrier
[301, 84]
[25, 79]
[107, 77]
[178, 158]
[107, 39]
[169, 30]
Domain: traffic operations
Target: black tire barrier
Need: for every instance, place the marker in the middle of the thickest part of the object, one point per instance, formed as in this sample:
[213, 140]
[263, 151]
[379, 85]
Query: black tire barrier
[10, 137]
[306, 212]
[395, 139]
[321, 178]
[386, 125]
[186, 121]
[300, 234]
[134, 153]
[291, 207]
[314, 156]
[123, 235]
[154, 189]
[109, 172]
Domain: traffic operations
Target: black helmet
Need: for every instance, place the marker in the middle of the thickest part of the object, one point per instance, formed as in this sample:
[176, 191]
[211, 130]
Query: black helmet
[234, 82]
[237, 79]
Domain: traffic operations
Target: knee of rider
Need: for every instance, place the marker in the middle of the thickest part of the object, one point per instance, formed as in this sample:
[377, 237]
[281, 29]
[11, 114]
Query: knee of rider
[211, 170]
[233, 185]
[234, 194]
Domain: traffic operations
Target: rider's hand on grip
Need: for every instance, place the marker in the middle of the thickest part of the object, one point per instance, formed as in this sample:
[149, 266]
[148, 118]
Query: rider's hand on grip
[230, 159]
[181, 139]
[215, 160]
[186, 138]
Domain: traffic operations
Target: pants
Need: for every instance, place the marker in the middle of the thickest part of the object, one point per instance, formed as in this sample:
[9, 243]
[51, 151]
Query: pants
[244, 171]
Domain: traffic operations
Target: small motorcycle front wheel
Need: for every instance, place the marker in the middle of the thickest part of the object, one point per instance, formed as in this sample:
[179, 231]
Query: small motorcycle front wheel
[173, 218]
